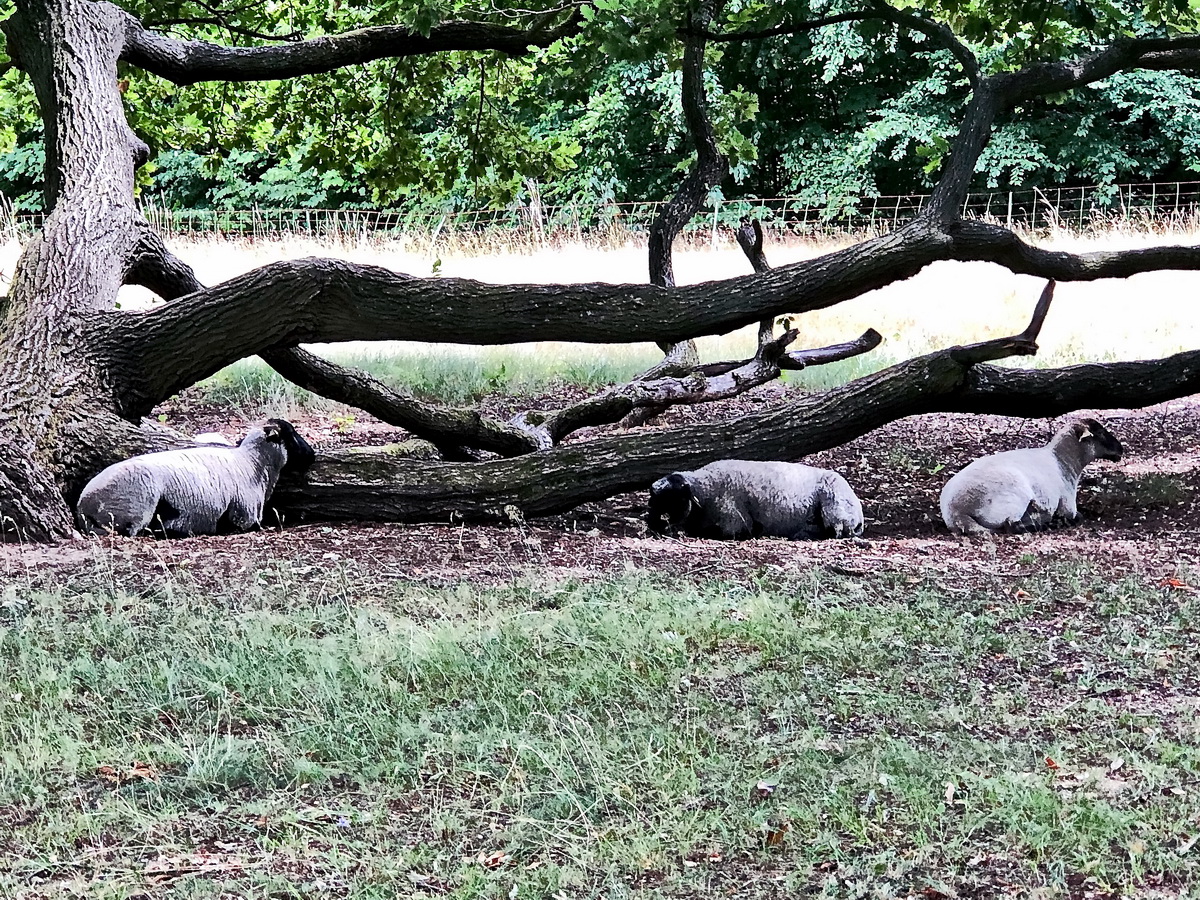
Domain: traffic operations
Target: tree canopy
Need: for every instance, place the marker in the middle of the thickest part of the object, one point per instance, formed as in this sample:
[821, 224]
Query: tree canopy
[863, 105]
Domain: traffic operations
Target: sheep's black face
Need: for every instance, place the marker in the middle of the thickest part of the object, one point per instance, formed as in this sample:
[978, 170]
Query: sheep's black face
[300, 455]
[670, 502]
[1105, 444]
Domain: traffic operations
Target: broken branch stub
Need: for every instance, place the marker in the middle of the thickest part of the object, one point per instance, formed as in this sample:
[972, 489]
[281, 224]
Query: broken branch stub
[1023, 344]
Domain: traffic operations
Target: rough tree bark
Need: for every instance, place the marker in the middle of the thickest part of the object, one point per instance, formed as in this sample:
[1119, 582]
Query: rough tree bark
[77, 376]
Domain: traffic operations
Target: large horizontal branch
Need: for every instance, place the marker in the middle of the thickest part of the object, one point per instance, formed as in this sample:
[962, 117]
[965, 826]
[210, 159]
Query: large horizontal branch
[1053, 392]
[160, 351]
[187, 62]
[974, 240]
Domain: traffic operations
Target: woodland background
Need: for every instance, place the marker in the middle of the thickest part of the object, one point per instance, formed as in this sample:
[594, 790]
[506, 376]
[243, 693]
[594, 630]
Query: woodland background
[830, 116]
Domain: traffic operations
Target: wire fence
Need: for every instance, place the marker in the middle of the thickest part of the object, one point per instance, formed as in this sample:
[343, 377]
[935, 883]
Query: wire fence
[1074, 208]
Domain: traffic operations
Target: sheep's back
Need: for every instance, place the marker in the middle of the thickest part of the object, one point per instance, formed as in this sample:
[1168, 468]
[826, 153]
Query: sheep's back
[778, 496]
[999, 488]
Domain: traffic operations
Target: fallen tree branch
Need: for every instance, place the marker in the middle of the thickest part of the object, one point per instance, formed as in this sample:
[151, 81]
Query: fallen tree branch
[795, 360]
[618, 403]
[974, 240]
[1032, 393]
[447, 428]
[1023, 344]
[344, 486]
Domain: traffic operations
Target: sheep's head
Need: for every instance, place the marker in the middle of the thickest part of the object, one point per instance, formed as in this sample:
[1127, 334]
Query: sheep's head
[671, 500]
[1101, 441]
[300, 454]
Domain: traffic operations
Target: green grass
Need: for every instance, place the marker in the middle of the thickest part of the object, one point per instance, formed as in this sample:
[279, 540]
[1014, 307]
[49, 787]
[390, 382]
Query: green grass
[326, 733]
[455, 377]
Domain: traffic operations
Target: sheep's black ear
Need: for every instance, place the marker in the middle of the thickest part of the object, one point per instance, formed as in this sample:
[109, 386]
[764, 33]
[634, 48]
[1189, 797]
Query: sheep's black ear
[670, 483]
[278, 430]
[300, 454]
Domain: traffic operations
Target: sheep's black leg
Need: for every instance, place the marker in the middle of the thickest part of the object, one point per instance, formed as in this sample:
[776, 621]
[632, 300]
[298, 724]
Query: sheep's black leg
[810, 532]
[165, 518]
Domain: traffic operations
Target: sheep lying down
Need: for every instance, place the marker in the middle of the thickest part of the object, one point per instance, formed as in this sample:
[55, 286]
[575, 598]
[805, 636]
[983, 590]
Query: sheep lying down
[206, 489]
[737, 498]
[1026, 490]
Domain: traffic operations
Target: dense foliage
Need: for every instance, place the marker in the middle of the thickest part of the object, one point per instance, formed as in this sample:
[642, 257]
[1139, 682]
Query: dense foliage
[851, 109]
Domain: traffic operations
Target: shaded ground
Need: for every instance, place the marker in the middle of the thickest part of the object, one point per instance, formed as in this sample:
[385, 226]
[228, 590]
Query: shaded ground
[1056, 666]
[1141, 515]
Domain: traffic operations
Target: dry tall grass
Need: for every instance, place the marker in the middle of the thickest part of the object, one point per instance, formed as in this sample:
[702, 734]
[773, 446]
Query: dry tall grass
[1145, 316]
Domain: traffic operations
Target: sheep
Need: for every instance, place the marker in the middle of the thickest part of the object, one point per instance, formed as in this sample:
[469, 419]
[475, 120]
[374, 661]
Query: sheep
[1026, 490]
[206, 489]
[736, 498]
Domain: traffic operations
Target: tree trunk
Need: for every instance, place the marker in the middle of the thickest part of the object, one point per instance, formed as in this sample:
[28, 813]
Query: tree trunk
[56, 406]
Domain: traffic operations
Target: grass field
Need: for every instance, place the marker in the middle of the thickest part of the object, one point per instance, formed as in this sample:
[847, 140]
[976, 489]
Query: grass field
[318, 731]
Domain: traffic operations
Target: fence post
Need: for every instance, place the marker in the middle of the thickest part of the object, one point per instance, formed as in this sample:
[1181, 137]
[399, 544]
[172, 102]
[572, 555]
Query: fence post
[716, 212]
[1009, 219]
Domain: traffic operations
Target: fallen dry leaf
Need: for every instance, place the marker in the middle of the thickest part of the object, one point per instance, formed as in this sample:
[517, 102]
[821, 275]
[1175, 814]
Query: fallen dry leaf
[1176, 583]
[137, 770]
[776, 834]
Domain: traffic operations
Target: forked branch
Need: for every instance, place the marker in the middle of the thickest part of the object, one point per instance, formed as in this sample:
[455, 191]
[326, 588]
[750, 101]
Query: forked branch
[939, 32]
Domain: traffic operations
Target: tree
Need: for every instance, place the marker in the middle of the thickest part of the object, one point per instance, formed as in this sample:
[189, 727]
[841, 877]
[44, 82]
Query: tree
[77, 376]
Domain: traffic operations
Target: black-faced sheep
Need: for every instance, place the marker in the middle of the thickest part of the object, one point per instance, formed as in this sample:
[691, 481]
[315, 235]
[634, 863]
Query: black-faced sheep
[1026, 490]
[207, 489]
[737, 498]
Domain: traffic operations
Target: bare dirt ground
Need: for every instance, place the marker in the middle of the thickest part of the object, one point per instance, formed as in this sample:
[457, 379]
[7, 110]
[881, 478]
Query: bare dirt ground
[1141, 515]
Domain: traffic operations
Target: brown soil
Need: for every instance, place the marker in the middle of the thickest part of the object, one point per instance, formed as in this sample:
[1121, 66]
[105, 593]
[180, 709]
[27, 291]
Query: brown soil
[1141, 515]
